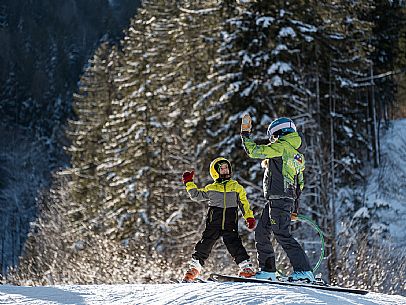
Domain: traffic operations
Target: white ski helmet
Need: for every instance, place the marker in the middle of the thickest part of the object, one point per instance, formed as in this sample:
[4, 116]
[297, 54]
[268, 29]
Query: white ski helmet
[280, 127]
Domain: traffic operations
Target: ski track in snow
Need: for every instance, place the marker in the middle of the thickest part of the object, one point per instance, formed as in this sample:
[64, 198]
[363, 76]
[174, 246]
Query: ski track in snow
[202, 293]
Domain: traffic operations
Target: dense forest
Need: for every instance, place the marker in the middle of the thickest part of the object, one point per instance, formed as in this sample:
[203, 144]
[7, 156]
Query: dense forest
[169, 97]
[45, 46]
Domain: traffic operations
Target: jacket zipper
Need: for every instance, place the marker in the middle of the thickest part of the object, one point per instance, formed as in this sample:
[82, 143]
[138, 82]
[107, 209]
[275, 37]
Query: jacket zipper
[224, 209]
[211, 216]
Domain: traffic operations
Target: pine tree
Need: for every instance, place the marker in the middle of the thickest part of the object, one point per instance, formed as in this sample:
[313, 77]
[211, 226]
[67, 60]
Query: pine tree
[298, 60]
[139, 129]
[194, 37]
[342, 54]
[260, 71]
[92, 106]
[127, 149]
[389, 22]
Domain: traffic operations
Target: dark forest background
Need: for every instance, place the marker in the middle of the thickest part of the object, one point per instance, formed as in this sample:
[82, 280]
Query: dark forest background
[45, 47]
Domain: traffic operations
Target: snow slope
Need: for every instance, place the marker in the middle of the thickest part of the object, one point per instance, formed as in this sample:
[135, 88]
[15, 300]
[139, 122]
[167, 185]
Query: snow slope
[202, 293]
[386, 188]
[384, 192]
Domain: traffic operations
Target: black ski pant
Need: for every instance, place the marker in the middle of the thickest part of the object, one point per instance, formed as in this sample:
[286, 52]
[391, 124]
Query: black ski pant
[275, 219]
[220, 223]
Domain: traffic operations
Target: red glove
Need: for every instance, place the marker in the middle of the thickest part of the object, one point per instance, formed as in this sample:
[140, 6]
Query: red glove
[188, 177]
[250, 223]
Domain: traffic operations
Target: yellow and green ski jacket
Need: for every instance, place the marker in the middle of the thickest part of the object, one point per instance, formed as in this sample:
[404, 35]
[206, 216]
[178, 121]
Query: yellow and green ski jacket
[283, 177]
[227, 194]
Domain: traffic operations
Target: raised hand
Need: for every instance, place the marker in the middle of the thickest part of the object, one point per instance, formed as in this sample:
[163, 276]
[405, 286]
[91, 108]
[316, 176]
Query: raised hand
[246, 124]
[188, 177]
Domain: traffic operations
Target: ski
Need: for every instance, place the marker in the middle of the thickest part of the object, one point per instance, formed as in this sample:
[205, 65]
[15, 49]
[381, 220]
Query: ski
[178, 281]
[230, 278]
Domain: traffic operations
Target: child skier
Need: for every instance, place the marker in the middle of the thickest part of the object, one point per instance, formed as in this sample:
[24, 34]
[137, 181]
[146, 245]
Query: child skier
[224, 196]
[282, 185]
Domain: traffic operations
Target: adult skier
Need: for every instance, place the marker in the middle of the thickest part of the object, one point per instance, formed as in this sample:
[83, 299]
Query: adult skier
[224, 196]
[283, 182]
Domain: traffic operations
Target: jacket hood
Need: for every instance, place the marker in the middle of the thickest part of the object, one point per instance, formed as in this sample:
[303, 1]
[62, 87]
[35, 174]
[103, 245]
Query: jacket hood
[296, 140]
[214, 173]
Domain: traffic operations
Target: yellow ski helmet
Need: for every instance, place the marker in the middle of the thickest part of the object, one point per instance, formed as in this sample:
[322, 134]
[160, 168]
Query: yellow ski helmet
[215, 168]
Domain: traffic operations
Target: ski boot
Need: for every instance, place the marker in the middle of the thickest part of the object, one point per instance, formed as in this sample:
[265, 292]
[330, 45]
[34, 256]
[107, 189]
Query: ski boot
[246, 269]
[193, 272]
[302, 276]
[266, 275]
[319, 280]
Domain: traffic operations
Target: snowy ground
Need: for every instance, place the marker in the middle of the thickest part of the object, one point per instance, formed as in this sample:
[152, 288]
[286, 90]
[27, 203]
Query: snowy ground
[202, 293]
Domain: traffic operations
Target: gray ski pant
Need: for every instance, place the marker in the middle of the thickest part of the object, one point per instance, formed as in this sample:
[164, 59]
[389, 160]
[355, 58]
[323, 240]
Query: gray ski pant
[275, 219]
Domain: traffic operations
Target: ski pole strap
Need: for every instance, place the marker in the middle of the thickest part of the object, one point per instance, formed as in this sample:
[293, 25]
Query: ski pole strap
[310, 222]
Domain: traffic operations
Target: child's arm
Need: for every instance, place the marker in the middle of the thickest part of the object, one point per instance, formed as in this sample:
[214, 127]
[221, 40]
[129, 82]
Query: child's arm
[261, 151]
[196, 193]
[251, 148]
[243, 202]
